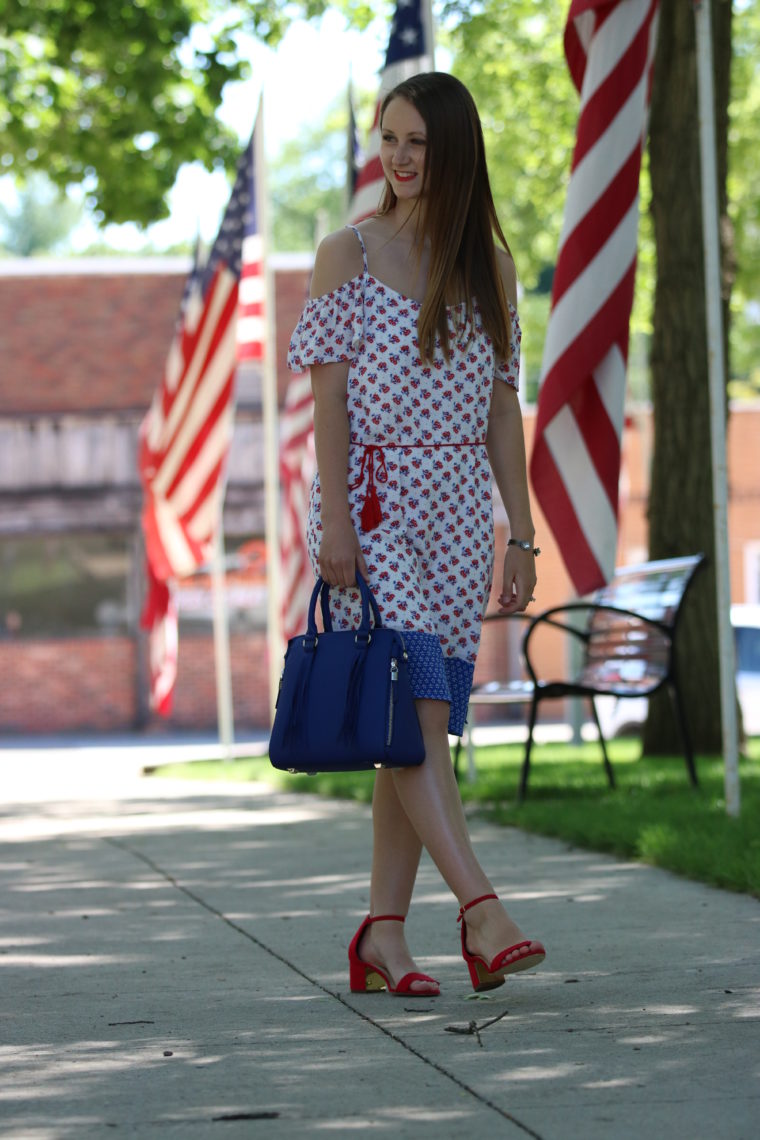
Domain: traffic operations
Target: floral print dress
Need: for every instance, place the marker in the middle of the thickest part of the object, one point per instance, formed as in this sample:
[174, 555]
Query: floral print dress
[418, 475]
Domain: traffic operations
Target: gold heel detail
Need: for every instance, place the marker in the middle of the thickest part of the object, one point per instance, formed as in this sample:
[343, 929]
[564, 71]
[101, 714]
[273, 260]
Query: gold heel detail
[373, 982]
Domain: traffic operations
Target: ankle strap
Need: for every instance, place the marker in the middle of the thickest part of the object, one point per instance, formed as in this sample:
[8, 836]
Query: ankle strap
[386, 918]
[469, 905]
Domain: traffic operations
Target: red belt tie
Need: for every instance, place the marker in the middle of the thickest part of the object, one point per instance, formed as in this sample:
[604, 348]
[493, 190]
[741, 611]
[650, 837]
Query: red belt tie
[371, 515]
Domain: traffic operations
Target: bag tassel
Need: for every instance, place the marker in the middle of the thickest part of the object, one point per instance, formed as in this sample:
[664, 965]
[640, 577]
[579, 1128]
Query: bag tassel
[294, 728]
[353, 697]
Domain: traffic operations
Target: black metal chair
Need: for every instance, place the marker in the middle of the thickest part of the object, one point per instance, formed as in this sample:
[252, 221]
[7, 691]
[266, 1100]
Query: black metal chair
[627, 639]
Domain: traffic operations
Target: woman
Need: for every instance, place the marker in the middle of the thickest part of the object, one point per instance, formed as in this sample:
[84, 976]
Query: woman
[412, 338]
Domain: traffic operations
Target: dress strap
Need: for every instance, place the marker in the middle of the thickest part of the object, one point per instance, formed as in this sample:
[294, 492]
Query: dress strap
[364, 249]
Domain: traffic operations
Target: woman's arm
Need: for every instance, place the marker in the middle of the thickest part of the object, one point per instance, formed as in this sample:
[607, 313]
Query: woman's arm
[339, 552]
[506, 453]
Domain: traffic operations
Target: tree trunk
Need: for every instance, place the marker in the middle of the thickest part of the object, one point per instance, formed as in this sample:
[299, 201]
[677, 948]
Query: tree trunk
[680, 505]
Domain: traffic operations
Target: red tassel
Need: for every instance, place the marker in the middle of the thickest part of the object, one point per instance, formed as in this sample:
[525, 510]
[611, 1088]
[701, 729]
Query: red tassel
[371, 514]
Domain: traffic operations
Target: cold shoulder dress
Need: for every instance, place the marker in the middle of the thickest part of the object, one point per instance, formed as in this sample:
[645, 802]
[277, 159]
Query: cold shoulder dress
[418, 473]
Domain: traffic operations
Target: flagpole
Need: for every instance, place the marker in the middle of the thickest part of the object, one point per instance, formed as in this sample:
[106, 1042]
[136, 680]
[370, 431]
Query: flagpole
[717, 387]
[271, 438]
[223, 668]
[351, 162]
[429, 25]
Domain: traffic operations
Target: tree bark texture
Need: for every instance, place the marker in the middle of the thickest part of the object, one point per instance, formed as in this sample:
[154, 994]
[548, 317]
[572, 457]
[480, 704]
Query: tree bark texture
[681, 498]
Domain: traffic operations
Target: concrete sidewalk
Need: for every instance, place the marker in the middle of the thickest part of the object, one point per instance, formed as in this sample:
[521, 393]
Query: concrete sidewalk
[173, 960]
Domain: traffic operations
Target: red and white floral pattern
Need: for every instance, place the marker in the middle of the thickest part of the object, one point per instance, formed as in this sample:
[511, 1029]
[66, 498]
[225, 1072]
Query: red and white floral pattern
[431, 556]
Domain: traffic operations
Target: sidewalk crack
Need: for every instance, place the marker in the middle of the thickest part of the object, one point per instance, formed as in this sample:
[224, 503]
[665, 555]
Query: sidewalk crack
[336, 995]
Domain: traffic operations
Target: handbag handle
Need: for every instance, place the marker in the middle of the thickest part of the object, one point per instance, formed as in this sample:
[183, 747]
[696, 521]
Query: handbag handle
[324, 605]
[322, 591]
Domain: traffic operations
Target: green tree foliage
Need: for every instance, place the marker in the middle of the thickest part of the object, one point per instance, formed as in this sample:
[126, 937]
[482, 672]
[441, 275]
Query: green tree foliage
[308, 178]
[744, 198]
[120, 94]
[511, 57]
[307, 183]
[41, 221]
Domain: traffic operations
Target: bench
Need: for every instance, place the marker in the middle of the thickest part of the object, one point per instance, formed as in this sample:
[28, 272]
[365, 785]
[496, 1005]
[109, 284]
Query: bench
[626, 634]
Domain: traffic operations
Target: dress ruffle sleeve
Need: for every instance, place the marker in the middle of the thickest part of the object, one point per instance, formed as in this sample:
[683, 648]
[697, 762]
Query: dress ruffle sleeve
[509, 370]
[331, 328]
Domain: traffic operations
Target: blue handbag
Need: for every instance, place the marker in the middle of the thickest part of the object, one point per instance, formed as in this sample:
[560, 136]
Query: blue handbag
[345, 701]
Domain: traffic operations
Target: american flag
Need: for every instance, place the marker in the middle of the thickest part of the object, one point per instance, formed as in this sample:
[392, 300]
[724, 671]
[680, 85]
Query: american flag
[410, 50]
[297, 466]
[575, 464]
[185, 437]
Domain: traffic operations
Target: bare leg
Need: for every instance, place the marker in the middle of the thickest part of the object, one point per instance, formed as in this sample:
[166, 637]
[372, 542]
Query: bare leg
[431, 802]
[396, 850]
[395, 858]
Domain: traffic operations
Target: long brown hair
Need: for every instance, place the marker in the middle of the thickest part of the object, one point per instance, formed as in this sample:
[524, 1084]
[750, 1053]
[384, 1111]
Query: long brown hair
[459, 219]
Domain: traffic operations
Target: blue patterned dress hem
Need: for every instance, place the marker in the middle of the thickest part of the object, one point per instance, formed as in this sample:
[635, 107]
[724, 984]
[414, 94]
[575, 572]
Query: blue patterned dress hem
[436, 677]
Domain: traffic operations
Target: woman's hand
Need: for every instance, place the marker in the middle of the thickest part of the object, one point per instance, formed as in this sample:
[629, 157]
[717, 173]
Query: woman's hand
[519, 580]
[340, 553]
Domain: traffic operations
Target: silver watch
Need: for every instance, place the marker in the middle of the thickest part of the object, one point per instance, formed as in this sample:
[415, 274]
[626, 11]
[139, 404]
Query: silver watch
[524, 545]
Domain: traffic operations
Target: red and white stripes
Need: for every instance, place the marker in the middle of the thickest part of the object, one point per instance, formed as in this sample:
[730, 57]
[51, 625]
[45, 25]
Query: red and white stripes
[297, 467]
[184, 441]
[575, 463]
[251, 327]
[186, 435]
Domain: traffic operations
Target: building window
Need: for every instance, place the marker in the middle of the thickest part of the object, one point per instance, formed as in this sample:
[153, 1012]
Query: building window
[62, 585]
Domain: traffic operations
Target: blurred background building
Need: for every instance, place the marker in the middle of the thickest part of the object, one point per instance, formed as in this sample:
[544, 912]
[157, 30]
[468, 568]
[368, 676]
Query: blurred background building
[82, 348]
[83, 345]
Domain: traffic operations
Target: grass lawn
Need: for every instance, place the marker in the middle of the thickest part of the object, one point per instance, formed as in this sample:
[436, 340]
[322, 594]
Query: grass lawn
[653, 814]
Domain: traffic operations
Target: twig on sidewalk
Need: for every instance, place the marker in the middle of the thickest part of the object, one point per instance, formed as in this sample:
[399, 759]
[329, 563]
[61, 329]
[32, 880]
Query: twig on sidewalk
[472, 1029]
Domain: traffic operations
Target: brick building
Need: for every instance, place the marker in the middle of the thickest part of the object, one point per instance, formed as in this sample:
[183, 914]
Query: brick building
[82, 348]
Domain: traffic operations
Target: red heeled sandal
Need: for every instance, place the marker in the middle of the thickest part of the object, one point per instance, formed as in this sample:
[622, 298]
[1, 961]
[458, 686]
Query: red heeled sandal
[364, 977]
[487, 976]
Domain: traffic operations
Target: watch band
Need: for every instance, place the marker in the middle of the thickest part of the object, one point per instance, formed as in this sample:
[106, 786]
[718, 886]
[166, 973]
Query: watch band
[524, 545]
